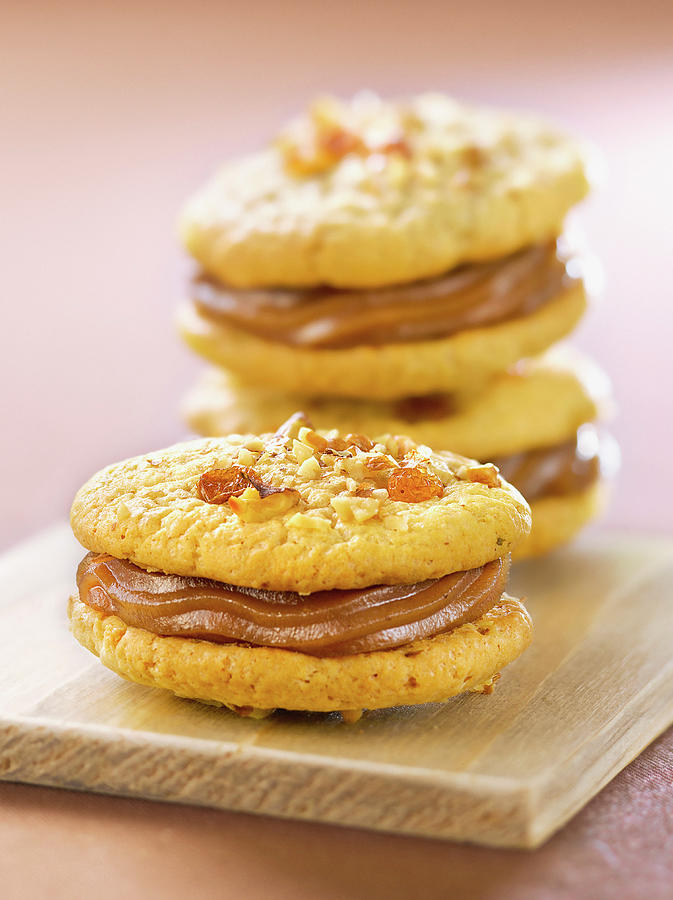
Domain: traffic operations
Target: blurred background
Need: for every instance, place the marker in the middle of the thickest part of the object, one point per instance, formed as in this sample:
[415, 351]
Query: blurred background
[113, 112]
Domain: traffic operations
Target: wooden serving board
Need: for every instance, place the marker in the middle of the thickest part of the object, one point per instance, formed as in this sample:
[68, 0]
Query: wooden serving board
[503, 769]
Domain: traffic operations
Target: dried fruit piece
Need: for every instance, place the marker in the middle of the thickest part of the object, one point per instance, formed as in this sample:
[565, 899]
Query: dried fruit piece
[377, 463]
[413, 485]
[337, 443]
[361, 441]
[218, 485]
[337, 142]
[397, 144]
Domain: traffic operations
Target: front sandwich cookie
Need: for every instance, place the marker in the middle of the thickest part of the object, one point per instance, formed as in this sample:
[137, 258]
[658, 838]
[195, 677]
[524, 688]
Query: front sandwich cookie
[300, 570]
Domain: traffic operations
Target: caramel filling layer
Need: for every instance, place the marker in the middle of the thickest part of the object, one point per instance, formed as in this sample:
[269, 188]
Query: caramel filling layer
[470, 296]
[555, 471]
[326, 623]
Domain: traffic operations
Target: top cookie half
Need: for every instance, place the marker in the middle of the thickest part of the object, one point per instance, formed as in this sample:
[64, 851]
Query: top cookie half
[372, 193]
[302, 511]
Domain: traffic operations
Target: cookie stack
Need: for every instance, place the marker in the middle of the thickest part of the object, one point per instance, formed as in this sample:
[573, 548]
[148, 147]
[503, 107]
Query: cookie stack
[400, 267]
[300, 569]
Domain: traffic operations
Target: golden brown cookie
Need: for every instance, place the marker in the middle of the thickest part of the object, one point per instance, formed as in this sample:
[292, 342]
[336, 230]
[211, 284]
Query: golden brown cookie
[537, 403]
[368, 193]
[319, 511]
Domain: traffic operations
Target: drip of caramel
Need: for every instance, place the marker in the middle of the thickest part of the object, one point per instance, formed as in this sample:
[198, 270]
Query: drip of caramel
[471, 296]
[326, 623]
[552, 471]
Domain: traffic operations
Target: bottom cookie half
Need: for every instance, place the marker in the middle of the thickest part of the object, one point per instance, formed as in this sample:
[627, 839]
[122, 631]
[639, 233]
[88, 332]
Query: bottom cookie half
[558, 519]
[255, 679]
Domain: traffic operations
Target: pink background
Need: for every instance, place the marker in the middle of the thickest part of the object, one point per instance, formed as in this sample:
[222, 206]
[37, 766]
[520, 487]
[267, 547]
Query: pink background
[110, 114]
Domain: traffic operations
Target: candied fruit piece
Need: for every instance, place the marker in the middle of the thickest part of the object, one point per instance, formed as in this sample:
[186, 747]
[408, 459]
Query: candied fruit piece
[337, 443]
[218, 485]
[377, 463]
[337, 142]
[396, 144]
[413, 485]
[361, 441]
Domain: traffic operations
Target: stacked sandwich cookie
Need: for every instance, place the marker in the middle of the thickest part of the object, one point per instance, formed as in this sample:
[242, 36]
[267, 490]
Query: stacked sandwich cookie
[539, 423]
[302, 570]
[396, 265]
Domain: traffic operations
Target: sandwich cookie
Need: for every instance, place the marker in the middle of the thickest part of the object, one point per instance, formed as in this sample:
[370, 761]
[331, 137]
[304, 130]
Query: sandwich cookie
[384, 249]
[300, 569]
[536, 422]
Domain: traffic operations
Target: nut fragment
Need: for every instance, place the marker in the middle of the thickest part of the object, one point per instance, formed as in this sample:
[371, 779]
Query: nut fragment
[355, 509]
[246, 457]
[310, 523]
[312, 438]
[301, 451]
[487, 474]
[310, 468]
[413, 485]
[292, 426]
[251, 507]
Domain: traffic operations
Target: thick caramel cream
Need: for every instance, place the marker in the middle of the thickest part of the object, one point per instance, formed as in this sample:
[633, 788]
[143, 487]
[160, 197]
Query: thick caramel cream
[470, 296]
[326, 623]
[554, 471]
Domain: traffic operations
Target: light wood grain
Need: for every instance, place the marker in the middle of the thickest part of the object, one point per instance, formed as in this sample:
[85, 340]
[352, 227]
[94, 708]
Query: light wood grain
[506, 769]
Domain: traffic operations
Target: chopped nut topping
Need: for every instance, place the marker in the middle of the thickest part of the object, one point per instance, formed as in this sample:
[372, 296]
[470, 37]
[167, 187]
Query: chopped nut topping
[312, 523]
[302, 451]
[245, 457]
[310, 468]
[314, 146]
[487, 474]
[355, 509]
[414, 485]
[251, 507]
[312, 438]
[292, 426]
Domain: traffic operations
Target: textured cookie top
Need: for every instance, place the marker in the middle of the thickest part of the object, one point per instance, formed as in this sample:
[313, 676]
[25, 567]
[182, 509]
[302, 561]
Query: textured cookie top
[372, 193]
[301, 510]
